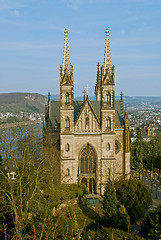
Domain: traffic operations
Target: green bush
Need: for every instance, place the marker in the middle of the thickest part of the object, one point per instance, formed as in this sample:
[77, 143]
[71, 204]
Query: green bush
[108, 234]
[135, 196]
[71, 191]
[151, 227]
[123, 219]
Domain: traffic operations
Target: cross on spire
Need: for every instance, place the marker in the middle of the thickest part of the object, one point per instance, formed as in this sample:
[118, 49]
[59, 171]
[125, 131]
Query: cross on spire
[66, 59]
[107, 56]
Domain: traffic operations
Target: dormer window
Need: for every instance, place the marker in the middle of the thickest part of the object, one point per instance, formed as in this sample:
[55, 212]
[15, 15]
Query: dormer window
[67, 123]
[67, 98]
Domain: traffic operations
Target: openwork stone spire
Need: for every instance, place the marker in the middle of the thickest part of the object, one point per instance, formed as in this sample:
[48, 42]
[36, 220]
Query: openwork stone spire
[98, 79]
[107, 57]
[66, 59]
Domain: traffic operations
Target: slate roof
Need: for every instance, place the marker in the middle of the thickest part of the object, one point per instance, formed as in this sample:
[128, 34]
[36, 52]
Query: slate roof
[55, 112]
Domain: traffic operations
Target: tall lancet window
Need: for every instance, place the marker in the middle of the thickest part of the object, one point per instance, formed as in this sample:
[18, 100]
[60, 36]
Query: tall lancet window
[67, 172]
[108, 123]
[108, 98]
[67, 147]
[67, 123]
[67, 98]
[87, 122]
[108, 147]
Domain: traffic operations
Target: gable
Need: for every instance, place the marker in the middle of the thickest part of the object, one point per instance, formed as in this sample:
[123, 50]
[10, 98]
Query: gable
[87, 120]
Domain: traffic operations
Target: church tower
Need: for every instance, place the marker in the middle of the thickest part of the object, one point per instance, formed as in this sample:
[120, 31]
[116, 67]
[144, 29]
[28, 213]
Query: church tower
[66, 91]
[66, 115]
[108, 113]
[107, 90]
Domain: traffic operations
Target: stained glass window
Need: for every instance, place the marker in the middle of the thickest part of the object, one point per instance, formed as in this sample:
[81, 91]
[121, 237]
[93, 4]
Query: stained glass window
[88, 160]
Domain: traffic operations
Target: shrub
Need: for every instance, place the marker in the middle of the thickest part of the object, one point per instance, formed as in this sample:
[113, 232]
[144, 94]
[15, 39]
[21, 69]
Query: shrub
[123, 219]
[135, 196]
[151, 227]
[109, 202]
[108, 234]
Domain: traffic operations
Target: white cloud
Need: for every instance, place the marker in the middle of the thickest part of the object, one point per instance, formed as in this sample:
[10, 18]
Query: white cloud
[9, 46]
[16, 13]
[14, 4]
[74, 4]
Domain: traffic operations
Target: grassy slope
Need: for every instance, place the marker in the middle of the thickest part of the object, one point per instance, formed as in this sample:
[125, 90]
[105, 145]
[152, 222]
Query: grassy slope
[22, 102]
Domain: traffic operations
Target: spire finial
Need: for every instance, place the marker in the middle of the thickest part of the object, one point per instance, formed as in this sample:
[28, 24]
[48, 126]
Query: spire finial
[107, 57]
[121, 95]
[66, 59]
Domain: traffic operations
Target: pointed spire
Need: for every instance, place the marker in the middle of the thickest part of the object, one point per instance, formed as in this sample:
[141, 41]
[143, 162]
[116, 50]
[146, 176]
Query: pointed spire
[98, 83]
[121, 96]
[107, 56]
[66, 59]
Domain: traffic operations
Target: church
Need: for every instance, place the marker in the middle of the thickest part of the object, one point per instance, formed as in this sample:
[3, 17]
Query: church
[93, 136]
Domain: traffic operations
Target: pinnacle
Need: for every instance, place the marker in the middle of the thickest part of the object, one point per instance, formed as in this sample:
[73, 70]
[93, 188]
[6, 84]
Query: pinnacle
[66, 58]
[107, 55]
[66, 31]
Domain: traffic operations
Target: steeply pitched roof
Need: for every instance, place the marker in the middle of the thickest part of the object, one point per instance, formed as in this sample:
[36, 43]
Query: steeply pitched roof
[55, 112]
[119, 120]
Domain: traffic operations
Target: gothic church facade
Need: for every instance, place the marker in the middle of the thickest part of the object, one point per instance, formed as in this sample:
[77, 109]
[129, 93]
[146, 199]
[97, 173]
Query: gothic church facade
[93, 136]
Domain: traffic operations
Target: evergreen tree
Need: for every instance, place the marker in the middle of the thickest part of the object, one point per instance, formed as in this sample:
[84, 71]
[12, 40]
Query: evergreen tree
[109, 201]
[135, 196]
[138, 152]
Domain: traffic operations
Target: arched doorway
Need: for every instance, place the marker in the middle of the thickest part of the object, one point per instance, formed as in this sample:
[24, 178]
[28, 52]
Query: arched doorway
[84, 181]
[92, 186]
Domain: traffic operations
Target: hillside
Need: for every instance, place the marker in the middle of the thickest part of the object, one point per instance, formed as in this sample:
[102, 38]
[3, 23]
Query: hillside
[35, 102]
[22, 102]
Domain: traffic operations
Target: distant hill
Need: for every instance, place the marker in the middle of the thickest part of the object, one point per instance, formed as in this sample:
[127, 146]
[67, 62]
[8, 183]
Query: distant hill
[35, 102]
[22, 102]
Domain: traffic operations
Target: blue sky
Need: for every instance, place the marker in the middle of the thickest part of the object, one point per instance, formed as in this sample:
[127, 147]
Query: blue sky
[32, 41]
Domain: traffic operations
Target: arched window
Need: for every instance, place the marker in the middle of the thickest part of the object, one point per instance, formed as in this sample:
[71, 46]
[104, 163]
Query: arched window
[67, 123]
[68, 172]
[108, 147]
[87, 121]
[108, 123]
[84, 181]
[67, 147]
[67, 98]
[108, 98]
[88, 160]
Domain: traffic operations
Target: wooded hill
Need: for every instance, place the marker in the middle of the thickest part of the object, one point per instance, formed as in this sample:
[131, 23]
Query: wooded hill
[22, 102]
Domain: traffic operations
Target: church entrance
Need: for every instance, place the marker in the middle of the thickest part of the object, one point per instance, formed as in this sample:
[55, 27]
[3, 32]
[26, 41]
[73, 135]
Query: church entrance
[88, 159]
[92, 186]
[84, 181]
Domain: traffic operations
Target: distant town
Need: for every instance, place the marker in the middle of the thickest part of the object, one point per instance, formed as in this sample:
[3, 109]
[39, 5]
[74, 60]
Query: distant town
[11, 117]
